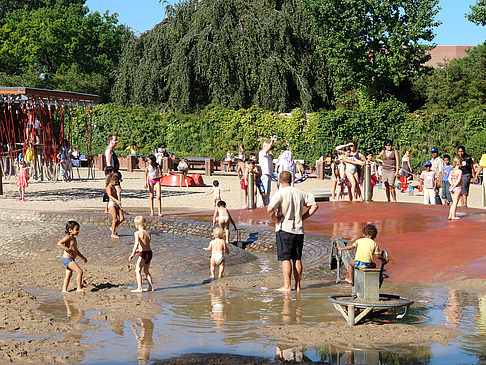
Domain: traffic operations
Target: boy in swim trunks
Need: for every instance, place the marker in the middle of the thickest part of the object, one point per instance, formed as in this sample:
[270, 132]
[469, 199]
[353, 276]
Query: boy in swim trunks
[366, 250]
[218, 248]
[70, 247]
[142, 247]
[223, 217]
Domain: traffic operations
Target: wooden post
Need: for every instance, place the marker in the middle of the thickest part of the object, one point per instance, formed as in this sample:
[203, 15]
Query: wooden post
[1, 179]
[208, 167]
[166, 165]
[320, 170]
[350, 315]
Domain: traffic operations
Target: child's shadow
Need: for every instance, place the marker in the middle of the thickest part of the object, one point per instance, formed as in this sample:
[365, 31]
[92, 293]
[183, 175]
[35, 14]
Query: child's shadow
[101, 286]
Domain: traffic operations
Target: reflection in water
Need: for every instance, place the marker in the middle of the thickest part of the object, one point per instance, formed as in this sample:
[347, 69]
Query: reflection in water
[145, 339]
[287, 353]
[74, 315]
[291, 310]
[452, 309]
[217, 306]
[419, 355]
[481, 318]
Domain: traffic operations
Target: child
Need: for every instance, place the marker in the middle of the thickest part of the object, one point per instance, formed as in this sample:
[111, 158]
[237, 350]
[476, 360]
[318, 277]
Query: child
[374, 178]
[336, 179]
[427, 178]
[153, 173]
[406, 169]
[455, 179]
[366, 250]
[224, 218]
[216, 192]
[446, 171]
[218, 248]
[183, 167]
[142, 247]
[257, 178]
[70, 247]
[109, 171]
[22, 178]
[114, 203]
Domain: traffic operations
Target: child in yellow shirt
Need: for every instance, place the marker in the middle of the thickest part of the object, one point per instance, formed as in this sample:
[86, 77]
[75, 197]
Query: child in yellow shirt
[366, 250]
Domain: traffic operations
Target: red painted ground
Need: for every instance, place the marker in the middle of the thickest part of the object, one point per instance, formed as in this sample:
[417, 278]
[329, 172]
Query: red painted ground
[424, 246]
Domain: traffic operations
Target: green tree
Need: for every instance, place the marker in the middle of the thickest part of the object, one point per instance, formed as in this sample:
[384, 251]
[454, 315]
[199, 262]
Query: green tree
[7, 6]
[375, 45]
[236, 53]
[460, 84]
[478, 13]
[65, 46]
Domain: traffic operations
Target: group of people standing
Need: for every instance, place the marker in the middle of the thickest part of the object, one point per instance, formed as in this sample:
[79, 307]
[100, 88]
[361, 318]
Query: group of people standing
[346, 170]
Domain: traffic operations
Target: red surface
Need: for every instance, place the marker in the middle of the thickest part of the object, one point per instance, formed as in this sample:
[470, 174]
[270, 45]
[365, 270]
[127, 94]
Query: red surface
[424, 245]
[174, 180]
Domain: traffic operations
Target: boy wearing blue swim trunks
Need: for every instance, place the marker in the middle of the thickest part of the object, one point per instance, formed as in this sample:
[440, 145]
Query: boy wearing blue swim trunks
[70, 247]
[366, 250]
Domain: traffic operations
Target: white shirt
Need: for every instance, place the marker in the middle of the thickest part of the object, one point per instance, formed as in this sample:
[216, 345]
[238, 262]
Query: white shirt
[265, 160]
[290, 202]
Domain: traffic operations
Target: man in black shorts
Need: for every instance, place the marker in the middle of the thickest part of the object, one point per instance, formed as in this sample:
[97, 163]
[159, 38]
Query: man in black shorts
[287, 211]
[467, 173]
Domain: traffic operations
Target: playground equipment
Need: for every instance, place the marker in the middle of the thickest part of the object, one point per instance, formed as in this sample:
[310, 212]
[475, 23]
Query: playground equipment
[45, 128]
[175, 180]
[365, 300]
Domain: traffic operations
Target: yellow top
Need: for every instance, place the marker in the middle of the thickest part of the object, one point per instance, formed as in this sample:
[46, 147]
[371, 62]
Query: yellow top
[365, 249]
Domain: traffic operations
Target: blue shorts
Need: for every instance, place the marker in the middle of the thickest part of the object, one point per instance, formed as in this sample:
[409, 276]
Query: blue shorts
[66, 261]
[260, 187]
[363, 265]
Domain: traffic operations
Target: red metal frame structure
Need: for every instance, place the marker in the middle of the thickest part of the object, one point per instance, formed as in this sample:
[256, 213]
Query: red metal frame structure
[44, 121]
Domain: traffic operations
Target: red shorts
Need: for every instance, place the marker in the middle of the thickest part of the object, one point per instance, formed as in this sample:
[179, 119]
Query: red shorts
[146, 255]
[243, 184]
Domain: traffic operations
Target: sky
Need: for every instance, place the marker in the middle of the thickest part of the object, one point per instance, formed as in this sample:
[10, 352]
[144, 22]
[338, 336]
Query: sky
[142, 15]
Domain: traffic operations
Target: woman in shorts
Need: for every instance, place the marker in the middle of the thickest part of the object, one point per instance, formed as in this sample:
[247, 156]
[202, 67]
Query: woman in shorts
[389, 159]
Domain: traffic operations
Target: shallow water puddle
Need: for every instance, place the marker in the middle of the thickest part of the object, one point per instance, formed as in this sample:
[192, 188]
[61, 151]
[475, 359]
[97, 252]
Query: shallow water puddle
[209, 318]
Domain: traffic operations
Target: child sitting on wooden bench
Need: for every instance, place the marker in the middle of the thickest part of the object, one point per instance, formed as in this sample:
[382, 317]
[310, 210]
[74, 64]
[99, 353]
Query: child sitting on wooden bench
[366, 250]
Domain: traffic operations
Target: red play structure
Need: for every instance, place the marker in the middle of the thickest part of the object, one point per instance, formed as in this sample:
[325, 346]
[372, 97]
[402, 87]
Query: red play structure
[42, 126]
[175, 180]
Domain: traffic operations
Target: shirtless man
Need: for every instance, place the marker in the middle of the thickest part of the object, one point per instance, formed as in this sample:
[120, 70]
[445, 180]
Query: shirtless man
[223, 217]
[142, 247]
[218, 248]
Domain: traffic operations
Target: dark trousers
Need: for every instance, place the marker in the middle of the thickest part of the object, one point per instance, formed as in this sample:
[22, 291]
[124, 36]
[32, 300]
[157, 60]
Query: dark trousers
[438, 200]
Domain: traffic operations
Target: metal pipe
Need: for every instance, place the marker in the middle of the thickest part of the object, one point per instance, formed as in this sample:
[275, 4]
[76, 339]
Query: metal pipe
[367, 182]
[251, 190]
[484, 188]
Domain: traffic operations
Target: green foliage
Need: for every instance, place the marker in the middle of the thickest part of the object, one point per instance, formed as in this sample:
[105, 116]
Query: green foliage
[374, 44]
[60, 46]
[478, 13]
[234, 53]
[460, 84]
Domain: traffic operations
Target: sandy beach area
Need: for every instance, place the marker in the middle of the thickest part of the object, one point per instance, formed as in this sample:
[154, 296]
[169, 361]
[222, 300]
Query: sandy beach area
[86, 195]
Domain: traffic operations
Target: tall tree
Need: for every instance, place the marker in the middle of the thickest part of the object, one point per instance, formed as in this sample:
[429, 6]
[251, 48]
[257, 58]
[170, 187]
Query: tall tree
[64, 46]
[236, 53]
[478, 13]
[7, 6]
[375, 45]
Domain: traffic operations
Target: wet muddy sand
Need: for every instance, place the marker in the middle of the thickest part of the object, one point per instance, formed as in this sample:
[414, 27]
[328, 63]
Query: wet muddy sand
[189, 319]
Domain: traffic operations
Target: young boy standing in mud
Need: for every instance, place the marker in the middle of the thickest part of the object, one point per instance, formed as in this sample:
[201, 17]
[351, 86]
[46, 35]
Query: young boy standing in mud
[223, 217]
[366, 250]
[142, 247]
[218, 248]
[70, 247]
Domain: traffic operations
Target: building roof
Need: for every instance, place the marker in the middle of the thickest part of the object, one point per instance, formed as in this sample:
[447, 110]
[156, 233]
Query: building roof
[26, 93]
[443, 54]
